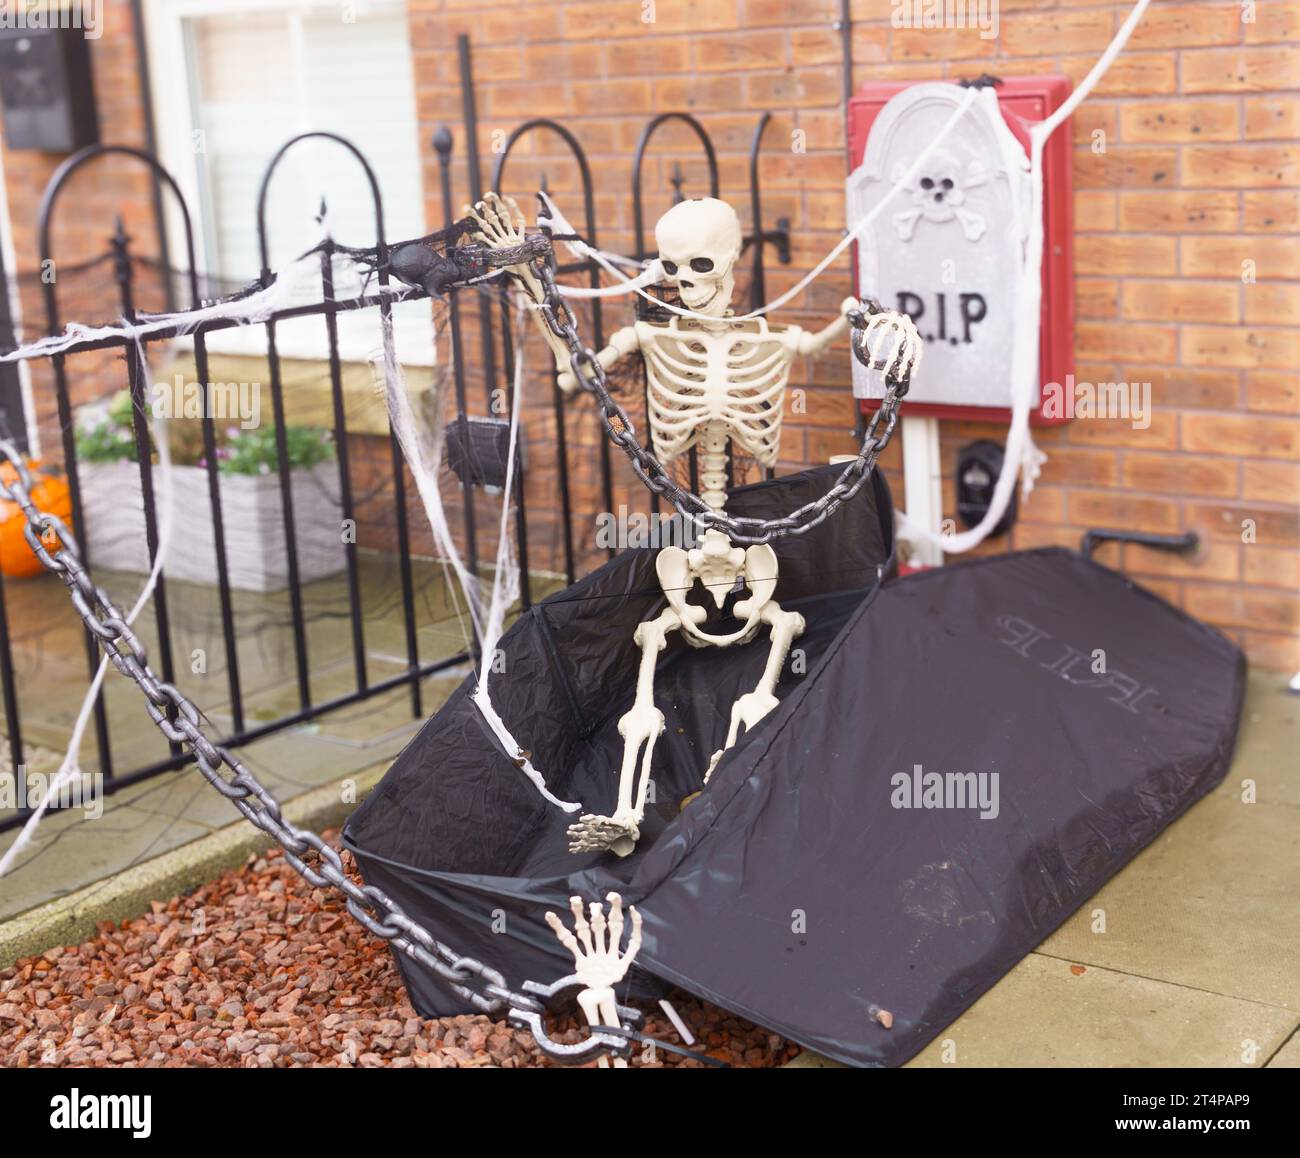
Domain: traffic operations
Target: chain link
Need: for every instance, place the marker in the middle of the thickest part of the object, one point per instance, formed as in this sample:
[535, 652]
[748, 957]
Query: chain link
[180, 720]
[591, 377]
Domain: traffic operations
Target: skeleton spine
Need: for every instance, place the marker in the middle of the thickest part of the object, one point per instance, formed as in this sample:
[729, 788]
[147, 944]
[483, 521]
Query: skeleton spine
[713, 463]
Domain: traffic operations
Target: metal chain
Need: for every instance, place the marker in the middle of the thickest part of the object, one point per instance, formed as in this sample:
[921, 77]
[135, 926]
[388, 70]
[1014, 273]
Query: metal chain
[180, 720]
[591, 376]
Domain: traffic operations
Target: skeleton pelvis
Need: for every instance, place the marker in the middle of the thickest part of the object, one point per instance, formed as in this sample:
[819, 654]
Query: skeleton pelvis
[718, 564]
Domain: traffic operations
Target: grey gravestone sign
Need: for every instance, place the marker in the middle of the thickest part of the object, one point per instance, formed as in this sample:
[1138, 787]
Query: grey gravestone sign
[948, 249]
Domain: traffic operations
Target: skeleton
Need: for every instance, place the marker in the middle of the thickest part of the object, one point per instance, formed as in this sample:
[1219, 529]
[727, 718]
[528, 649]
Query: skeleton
[711, 379]
[598, 965]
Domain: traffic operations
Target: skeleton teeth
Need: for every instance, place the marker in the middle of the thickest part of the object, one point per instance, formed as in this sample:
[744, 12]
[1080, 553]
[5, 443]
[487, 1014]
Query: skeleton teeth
[700, 305]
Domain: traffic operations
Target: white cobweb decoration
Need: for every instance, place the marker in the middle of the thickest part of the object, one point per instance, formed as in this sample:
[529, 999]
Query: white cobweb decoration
[486, 605]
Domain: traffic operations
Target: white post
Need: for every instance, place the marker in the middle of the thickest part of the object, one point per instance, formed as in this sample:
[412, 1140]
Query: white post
[923, 484]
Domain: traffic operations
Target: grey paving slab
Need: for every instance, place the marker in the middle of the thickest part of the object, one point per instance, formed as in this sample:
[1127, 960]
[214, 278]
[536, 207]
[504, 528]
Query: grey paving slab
[1211, 904]
[71, 850]
[1288, 1057]
[1049, 1013]
[158, 814]
[1268, 744]
[49, 650]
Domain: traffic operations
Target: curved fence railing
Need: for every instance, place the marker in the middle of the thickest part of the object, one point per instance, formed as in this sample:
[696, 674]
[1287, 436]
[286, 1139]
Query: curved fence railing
[496, 340]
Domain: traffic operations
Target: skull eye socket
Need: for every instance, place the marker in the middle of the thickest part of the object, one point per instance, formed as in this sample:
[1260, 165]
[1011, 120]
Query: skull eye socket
[947, 182]
[670, 267]
[701, 264]
[927, 183]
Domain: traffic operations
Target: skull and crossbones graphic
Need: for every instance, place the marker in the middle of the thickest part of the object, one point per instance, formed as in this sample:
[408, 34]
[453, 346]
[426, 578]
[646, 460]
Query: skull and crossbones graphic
[939, 196]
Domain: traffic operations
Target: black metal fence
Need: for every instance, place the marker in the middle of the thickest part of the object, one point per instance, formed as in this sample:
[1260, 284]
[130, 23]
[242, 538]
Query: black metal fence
[495, 350]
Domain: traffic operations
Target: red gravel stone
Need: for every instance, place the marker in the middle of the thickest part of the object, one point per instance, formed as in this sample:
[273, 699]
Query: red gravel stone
[279, 976]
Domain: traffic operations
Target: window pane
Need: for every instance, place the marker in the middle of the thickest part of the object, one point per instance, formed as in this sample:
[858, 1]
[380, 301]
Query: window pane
[261, 78]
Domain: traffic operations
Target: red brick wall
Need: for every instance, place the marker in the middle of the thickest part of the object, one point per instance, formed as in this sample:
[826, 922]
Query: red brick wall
[84, 220]
[1200, 174]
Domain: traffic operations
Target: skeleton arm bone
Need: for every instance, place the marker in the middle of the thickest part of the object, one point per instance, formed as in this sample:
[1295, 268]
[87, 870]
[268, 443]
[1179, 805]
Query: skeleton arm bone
[815, 343]
[621, 343]
[501, 226]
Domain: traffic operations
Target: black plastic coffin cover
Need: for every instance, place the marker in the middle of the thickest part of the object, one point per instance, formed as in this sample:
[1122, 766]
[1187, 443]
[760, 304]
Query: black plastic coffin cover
[805, 888]
[455, 832]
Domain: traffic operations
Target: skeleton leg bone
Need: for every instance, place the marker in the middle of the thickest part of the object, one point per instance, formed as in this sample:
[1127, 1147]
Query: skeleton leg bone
[640, 727]
[786, 627]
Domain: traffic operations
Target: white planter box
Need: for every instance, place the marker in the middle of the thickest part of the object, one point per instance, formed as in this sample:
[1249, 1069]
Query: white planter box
[256, 557]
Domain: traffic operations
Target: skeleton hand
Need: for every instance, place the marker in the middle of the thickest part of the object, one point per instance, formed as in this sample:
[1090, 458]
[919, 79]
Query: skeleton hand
[500, 221]
[597, 961]
[501, 226]
[886, 340]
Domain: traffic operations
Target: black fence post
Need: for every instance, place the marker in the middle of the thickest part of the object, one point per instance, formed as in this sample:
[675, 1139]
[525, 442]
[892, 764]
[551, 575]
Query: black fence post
[49, 276]
[442, 144]
[137, 371]
[598, 339]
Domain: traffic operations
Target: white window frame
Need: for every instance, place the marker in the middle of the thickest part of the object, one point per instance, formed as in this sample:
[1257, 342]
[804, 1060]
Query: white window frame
[172, 84]
[10, 263]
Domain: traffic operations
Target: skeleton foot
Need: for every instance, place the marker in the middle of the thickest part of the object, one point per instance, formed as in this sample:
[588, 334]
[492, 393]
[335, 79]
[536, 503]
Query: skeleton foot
[592, 833]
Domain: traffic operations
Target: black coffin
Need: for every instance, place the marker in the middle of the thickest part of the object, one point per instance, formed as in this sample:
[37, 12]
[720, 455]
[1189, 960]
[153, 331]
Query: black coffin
[814, 881]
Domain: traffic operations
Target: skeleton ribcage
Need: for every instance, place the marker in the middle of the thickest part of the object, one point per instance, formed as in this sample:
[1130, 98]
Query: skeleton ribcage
[737, 377]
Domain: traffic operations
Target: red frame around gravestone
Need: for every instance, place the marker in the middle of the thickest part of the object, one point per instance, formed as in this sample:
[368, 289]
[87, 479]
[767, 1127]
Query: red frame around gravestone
[1023, 99]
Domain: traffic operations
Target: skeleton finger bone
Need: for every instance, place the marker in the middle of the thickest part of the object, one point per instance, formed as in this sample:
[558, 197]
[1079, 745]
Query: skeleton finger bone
[615, 903]
[565, 938]
[497, 215]
[597, 922]
[487, 231]
[634, 941]
[513, 215]
[580, 925]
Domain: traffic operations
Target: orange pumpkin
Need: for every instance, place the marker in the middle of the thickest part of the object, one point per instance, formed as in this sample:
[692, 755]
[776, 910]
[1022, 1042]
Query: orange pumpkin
[50, 493]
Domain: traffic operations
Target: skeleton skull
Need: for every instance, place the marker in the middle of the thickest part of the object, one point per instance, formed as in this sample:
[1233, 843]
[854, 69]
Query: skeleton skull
[699, 242]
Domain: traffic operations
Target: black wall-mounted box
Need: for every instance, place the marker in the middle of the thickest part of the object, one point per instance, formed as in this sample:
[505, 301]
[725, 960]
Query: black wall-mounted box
[45, 82]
